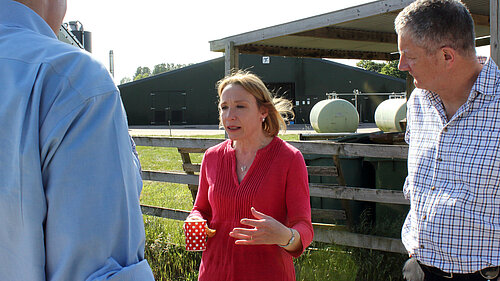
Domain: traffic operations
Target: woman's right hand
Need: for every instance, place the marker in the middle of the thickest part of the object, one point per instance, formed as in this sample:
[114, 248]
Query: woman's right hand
[210, 232]
[194, 218]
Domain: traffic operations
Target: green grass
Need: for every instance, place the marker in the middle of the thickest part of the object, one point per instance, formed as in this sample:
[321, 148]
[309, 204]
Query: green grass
[170, 262]
[325, 262]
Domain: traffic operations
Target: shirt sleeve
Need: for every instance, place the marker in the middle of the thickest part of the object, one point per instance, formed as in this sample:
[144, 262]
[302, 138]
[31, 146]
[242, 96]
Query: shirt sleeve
[201, 207]
[298, 202]
[94, 227]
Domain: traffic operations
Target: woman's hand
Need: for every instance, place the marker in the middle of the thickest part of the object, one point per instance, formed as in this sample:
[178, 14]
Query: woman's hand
[266, 230]
[210, 232]
[194, 218]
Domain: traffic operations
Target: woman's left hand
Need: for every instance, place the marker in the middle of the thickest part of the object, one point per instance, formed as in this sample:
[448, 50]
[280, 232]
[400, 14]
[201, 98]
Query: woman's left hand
[266, 230]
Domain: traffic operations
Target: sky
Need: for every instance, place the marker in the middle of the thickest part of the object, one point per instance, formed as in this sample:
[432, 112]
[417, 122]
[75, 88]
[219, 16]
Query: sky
[162, 31]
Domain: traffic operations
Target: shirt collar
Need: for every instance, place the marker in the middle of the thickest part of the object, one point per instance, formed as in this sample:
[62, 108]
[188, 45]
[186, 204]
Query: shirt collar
[487, 80]
[16, 14]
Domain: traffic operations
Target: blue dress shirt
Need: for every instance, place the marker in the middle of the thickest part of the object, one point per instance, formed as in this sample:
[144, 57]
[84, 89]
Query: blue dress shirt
[69, 181]
[454, 177]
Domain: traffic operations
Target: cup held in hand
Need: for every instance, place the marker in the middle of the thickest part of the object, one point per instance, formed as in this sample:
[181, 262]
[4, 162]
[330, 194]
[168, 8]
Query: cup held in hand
[196, 235]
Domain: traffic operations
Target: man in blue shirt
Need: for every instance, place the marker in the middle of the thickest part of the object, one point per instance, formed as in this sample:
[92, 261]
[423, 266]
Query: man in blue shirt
[69, 181]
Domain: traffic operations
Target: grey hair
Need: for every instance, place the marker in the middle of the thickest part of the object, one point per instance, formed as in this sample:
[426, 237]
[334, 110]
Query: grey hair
[433, 24]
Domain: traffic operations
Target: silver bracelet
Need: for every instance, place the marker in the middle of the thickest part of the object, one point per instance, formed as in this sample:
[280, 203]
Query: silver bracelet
[290, 241]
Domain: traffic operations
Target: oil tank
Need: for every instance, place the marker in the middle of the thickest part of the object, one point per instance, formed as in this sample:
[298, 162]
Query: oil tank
[389, 113]
[334, 116]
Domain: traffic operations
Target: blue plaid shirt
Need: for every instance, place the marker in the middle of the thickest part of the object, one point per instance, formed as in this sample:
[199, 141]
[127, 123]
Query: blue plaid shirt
[453, 180]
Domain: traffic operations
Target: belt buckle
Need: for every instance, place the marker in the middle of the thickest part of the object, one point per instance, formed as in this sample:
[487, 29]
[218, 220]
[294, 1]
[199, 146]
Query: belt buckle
[450, 275]
[490, 273]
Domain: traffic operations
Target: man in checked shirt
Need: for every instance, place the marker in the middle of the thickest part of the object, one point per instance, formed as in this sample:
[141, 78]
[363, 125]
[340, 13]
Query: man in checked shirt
[453, 132]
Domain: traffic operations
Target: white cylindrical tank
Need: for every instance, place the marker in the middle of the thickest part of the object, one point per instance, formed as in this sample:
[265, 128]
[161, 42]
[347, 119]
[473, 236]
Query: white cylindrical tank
[334, 116]
[389, 113]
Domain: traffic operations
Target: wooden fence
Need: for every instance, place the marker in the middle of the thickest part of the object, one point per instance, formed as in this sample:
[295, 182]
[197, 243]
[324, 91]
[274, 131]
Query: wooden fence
[328, 233]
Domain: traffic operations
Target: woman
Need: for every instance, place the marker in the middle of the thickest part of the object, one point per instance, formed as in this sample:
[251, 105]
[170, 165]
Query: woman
[253, 189]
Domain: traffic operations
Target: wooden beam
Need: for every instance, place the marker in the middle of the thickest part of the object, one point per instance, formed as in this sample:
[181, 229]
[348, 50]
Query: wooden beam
[410, 86]
[164, 212]
[320, 21]
[358, 193]
[351, 34]
[311, 170]
[314, 53]
[191, 168]
[325, 233]
[484, 41]
[173, 177]
[352, 149]
[330, 234]
[316, 190]
[198, 144]
[230, 58]
[306, 147]
[327, 215]
[481, 19]
[322, 171]
[494, 33]
[186, 160]
[191, 150]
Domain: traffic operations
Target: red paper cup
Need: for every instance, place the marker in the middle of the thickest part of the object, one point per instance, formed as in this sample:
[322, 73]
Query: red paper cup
[196, 235]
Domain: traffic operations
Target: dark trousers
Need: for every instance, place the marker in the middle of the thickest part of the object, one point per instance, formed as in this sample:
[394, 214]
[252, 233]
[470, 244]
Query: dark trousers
[414, 271]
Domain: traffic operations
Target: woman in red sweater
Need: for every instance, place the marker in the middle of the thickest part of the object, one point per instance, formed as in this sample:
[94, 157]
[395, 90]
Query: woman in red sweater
[253, 189]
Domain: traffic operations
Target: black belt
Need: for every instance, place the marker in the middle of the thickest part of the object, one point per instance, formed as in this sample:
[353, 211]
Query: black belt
[489, 273]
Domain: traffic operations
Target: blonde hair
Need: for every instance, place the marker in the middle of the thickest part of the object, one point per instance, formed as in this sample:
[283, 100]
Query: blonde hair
[279, 109]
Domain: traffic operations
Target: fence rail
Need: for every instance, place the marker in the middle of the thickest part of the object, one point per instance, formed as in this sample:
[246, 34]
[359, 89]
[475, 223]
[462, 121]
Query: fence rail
[327, 233]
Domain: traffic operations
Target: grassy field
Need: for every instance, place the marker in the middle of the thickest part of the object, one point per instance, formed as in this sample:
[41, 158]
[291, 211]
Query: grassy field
[165, 239]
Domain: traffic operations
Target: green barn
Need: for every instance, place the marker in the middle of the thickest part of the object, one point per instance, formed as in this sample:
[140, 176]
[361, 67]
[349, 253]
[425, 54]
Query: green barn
[188, 96]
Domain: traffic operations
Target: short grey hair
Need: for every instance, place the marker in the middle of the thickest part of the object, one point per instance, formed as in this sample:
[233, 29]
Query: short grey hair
[433, 24]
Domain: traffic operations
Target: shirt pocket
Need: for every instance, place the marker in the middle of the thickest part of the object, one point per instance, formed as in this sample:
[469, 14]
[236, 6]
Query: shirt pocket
[478, 164]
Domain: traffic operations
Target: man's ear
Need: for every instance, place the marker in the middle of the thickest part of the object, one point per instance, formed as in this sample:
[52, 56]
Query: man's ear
[449, 55]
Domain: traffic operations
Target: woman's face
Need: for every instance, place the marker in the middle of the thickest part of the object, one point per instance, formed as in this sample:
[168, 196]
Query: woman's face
[240, 114]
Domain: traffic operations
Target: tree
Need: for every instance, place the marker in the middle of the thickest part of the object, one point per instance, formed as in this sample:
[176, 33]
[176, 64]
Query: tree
[142, 72]
[165, 67]
[125, 80]
[370, 65]
[390, 68]
[160, 68]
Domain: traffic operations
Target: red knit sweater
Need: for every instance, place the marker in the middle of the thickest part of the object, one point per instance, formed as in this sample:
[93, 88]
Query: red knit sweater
[276, 184]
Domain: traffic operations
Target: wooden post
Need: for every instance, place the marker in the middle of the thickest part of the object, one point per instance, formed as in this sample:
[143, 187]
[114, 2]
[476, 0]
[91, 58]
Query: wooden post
[409, 85]
[186, 159]
[494, 22]
[345, 203]
[230, 58]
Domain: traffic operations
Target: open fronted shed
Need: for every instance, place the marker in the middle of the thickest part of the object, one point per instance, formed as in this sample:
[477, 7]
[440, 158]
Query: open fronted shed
[360, 32]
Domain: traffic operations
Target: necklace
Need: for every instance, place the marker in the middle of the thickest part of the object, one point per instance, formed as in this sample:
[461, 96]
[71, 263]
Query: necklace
[243, 168]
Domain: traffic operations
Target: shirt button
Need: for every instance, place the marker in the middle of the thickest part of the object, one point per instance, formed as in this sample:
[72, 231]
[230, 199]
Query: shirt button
[445, 129]
[433, 188]
[424, 217]
[422, 247]
[439, 159]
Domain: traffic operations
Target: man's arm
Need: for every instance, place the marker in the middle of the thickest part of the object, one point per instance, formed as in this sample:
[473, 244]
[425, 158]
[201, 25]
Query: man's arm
[94, 226]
